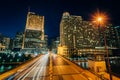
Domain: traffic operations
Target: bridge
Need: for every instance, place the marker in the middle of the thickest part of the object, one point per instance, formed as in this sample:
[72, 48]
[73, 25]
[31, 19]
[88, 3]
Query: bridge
[51, 67]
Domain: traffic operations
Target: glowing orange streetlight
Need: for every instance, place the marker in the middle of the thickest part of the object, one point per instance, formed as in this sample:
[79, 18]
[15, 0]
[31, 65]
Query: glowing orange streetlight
[100, 18]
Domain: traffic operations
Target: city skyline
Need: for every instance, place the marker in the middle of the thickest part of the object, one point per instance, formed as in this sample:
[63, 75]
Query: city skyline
[14, 13]
[59, 40]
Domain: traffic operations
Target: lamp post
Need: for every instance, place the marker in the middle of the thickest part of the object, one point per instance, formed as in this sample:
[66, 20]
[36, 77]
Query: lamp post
[100, 20]
[107, 54]
[99, 24]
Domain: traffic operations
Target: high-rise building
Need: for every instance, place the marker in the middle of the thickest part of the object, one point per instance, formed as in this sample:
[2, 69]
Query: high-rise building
[110, 33]
[2, 48]
[11, 46]
[17, 42]
[54, 44]
[5, 41]
[111, 36]
[77, 33]
[46, 41]
[34, 32]
[117, 32]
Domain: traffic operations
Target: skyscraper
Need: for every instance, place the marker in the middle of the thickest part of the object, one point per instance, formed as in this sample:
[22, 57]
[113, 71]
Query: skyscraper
[111, 36]
[77, 33]
[34, 32]
[117, 32]
[17, 42]
[5, 41]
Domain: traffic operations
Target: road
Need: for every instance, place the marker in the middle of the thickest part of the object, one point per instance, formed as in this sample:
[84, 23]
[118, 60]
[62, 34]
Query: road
[53, 67]
[63, 69]
[37, 71]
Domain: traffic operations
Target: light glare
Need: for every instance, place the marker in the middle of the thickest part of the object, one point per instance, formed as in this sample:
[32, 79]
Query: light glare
[99, 18]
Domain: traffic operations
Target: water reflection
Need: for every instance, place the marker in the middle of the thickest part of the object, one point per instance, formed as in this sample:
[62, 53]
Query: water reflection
[9, 67]
[4, 68]
[83, 62]
[10, 60]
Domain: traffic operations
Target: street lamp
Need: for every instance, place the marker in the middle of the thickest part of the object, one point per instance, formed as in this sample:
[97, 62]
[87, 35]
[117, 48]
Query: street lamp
[107, 54]
[101, 18]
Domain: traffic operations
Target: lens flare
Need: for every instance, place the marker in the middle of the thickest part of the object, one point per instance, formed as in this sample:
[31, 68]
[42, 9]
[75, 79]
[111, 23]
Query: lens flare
[99, 18]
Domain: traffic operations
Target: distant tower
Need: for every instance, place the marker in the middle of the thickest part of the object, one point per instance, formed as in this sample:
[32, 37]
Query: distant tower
[34, 31]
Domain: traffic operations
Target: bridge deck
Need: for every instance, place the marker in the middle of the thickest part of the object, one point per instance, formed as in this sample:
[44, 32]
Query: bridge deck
[62, 69]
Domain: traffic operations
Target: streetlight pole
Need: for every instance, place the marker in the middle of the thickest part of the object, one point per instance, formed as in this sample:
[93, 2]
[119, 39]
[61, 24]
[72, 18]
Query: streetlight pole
[99, 32]
[107, 54]
[105, 44]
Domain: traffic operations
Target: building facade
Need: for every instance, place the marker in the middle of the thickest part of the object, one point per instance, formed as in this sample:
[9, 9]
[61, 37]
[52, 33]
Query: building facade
[109, 33]
[75, 32]
[17, 41]
[54, 44]
[2, 48]
[117, 32]
[34, 32]
[5, 41]
[46, 41]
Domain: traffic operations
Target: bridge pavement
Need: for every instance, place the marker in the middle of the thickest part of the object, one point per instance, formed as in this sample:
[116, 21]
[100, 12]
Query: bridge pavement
[63, 69]
[39, 69]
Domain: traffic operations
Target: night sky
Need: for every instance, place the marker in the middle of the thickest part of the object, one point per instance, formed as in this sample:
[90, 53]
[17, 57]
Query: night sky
[13, 13]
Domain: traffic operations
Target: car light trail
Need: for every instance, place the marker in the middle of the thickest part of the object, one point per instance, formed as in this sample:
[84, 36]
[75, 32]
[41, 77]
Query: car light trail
[37, 71]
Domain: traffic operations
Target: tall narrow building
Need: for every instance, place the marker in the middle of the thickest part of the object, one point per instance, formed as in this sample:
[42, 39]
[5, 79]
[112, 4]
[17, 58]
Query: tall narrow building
[34, 32]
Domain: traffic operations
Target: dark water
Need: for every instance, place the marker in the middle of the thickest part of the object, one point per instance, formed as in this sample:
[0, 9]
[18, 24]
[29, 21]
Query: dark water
[11, 60]
[114, 62]
[4, 68]
[115, 66]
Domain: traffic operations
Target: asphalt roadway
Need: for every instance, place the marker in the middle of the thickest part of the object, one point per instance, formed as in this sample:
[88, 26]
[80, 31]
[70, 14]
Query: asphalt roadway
[54, 68]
